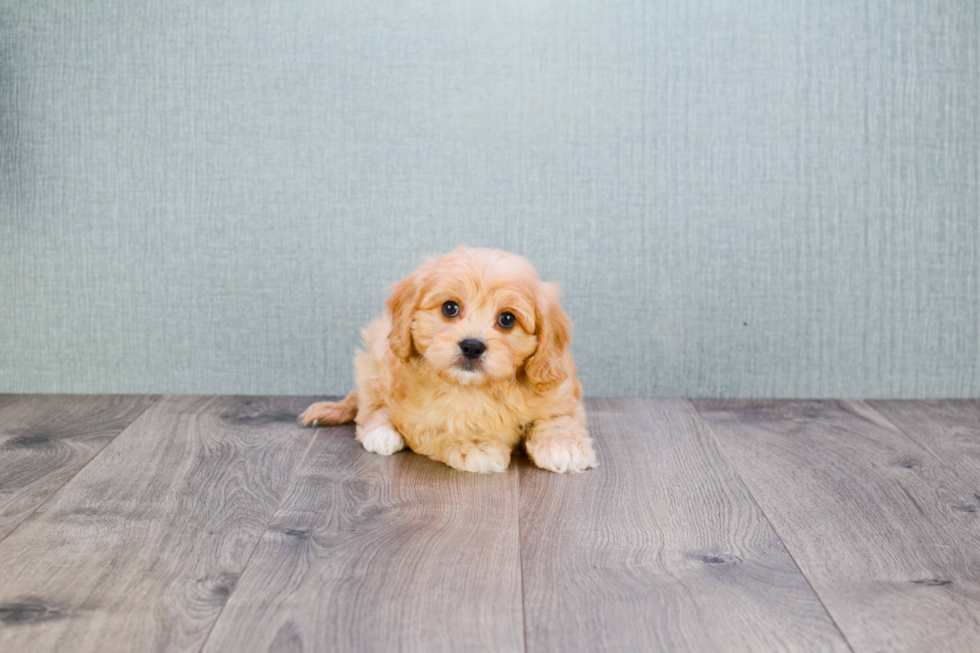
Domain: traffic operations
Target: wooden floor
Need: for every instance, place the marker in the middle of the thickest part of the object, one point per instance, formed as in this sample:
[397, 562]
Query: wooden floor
[218, 524]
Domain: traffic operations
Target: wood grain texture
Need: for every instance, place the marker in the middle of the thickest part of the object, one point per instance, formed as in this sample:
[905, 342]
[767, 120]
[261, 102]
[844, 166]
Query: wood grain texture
[887, 535]
[660, 548]
[46, 439]
[376, 553]
[948, 428]
[140, 550]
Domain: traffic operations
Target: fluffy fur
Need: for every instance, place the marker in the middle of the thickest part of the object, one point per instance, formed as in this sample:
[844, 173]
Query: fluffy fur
[415, 387]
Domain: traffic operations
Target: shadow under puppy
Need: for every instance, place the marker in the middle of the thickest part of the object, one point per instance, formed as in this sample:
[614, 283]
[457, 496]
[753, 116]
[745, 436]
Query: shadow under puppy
[470, 358]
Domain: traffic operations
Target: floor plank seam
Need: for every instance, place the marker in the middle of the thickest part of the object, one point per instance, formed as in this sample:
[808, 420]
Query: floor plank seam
[520, 555]
[748, 491]
[316, 434]
[79, 470]
[921, 444]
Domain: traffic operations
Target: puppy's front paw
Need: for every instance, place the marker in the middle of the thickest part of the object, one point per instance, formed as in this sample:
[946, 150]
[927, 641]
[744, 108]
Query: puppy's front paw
[479, 456]
[383, 440]
[561, 453]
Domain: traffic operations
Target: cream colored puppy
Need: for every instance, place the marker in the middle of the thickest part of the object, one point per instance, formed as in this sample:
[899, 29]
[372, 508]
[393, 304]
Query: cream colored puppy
[470, 358]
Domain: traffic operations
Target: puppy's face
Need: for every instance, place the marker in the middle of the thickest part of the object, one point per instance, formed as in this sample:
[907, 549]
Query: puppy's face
[475, 316]
[471, 328]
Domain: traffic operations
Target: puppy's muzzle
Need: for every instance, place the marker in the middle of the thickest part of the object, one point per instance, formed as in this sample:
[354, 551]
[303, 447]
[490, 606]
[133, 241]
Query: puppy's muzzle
[472, 349]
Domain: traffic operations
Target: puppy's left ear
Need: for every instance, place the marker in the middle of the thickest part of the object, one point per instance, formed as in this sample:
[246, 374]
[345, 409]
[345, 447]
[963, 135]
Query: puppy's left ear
[549, 365]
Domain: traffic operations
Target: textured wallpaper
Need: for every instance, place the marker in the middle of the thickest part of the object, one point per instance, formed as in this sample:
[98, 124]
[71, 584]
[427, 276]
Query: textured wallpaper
[738, 198]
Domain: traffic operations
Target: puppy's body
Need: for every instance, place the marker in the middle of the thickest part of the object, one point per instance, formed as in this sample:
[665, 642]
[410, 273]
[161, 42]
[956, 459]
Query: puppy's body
[415, 387]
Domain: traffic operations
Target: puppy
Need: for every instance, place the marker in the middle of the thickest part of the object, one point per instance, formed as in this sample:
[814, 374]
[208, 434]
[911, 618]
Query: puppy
[470, 359]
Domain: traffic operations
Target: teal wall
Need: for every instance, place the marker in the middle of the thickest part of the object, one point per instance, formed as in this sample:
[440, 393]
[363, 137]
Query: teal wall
[739, 198]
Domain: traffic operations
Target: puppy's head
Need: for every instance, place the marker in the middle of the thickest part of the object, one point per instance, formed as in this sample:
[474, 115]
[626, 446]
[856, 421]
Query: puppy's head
[478, 315]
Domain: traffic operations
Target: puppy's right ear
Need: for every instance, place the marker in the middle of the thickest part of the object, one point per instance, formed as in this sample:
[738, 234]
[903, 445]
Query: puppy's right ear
[402, 304]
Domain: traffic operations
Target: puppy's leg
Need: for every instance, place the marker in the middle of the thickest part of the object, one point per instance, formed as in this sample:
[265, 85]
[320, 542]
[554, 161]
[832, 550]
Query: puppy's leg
[480, 455]
[329, 413]
[377, 434]
[561, 444]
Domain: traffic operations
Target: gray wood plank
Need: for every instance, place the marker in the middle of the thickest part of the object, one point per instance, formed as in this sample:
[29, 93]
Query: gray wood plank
[7, 399]
[660, 548]
[46, 439]
[140, 550]
[875, 522]
[376, 553]
[949, 429]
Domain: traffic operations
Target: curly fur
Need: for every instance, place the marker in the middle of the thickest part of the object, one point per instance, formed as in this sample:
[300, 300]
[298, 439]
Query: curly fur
[414, 389]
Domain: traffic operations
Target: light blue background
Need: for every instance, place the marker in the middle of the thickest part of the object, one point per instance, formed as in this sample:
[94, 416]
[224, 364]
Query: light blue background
[739, 198]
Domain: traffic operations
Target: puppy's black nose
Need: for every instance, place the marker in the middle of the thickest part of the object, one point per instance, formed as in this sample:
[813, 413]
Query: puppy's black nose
[472, 349]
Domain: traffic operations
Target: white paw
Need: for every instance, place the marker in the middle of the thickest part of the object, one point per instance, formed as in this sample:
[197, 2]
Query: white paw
[383, 440]
[562, 455]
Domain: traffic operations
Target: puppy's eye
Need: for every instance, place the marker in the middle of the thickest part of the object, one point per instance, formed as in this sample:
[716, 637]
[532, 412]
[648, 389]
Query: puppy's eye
[450, 309]
[506, 320]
